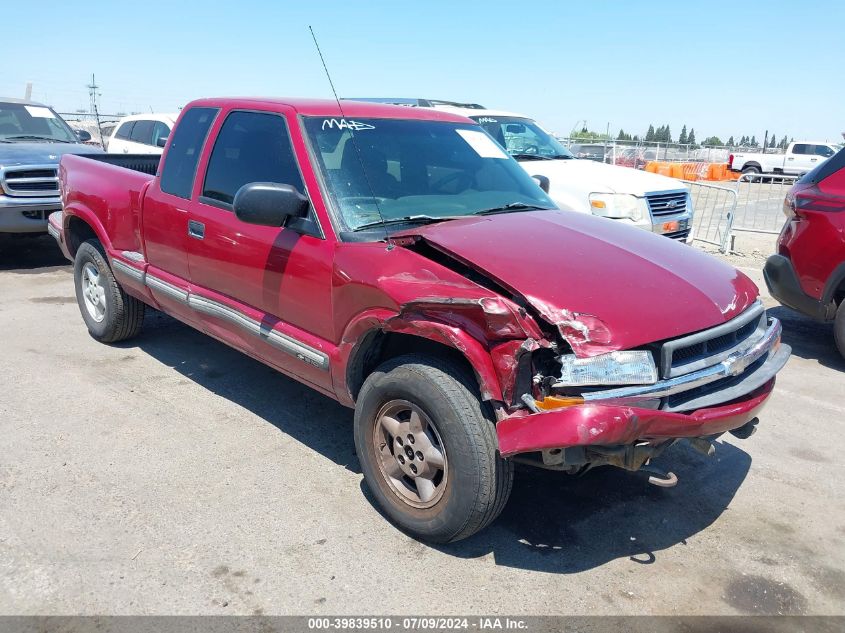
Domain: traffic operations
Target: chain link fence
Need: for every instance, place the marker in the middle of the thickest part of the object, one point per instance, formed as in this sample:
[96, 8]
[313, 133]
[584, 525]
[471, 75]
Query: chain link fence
[100, 130]
[637, 153]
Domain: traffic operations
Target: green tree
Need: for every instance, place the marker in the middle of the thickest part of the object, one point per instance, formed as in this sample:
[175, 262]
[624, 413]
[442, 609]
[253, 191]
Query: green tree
[682, 139]
[783, 142]
[712, 140]
[649, 136]
[772, 141]
[731, 141]
[691, 136]
[753, 142]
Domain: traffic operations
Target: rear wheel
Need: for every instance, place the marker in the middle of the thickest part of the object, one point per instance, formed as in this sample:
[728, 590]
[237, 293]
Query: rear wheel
[428, 449]
[839, 328]
[751, 169]
[110, 314]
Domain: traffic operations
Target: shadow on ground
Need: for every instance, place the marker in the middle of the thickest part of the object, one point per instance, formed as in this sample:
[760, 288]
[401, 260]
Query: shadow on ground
[553, 522]
[809, 339]
[24, 253]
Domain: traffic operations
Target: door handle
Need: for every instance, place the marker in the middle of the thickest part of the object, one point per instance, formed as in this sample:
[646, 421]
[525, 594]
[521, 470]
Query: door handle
[196, 229]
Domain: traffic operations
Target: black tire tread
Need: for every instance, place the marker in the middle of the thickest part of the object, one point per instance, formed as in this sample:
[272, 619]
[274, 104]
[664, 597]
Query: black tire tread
[494, 484]
[839, 328]
[128, 317]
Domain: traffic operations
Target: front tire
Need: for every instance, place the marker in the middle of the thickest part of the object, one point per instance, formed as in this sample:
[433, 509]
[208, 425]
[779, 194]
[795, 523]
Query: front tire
[110, 314]
[428, 449]
[839, 328]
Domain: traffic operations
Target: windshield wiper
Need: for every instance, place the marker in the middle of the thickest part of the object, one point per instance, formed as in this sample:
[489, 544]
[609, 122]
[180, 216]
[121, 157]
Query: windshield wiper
[532, 156]
[513, 206]
[562, 156]
[408, 219]
[35, 137]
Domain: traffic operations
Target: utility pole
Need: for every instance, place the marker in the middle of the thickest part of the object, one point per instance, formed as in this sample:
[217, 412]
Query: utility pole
[93, 94]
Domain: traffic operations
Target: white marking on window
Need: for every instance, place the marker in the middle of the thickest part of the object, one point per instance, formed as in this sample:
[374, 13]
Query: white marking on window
[346, 124]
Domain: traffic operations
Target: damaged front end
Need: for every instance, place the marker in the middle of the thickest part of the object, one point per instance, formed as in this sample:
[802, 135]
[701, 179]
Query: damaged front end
[623, 408]
[572, 393]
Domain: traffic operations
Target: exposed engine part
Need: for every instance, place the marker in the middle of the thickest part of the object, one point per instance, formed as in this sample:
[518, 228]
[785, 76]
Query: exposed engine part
[746, 430]
[528, 400]
[702, 445]
[659, 478]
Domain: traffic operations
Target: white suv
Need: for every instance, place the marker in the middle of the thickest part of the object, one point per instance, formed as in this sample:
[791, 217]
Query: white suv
[141, 134]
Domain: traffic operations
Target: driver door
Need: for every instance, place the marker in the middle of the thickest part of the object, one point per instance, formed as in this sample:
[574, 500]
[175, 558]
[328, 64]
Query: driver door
[266, 290]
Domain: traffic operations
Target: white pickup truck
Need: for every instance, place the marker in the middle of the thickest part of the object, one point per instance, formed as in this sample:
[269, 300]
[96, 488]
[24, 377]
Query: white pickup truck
[799, 158]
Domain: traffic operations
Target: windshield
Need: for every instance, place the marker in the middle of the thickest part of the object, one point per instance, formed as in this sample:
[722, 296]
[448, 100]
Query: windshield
[414, 169]
[23, 123]
[522, 137]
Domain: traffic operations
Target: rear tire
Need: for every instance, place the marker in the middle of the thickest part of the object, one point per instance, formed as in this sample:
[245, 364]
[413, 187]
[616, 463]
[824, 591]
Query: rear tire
[839, 328]
[428, 449]
[110, 314]
[751, 169]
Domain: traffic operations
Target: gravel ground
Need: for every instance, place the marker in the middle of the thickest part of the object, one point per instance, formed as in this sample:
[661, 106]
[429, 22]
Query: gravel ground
[173, 475]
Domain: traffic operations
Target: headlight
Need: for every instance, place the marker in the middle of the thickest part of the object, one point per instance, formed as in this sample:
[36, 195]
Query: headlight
[616, 205]
[615, 368]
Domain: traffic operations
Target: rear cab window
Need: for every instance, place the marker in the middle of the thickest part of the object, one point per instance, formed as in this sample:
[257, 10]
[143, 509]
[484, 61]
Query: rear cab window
[142, 132]
[180, 164]
[125, 130]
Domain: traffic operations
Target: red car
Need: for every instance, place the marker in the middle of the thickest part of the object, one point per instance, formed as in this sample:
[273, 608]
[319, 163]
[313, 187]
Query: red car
[807, 273]
[398, 260]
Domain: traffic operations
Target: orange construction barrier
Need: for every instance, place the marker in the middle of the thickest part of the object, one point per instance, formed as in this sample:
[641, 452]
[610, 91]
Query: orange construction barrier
[691, 171]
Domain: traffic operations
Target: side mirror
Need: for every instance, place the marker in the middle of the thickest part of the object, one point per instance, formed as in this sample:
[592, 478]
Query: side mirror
[83, 135]
[269, 203]
[543, 182]
[161, 141]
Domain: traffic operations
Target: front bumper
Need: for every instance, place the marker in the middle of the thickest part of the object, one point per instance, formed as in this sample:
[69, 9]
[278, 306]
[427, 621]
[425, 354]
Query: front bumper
[710, 400]
[26, 215]
[782, 282]
[614, 425]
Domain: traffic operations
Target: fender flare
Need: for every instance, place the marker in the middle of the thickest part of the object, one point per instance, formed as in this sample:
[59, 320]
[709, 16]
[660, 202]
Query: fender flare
[87, 216]
[372, 322]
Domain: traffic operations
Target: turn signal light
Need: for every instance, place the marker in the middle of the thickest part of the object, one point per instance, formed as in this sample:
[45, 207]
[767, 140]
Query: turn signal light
[598, 204]
[557, 402]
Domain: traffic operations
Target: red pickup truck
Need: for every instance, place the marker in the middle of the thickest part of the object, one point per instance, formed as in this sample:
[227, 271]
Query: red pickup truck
[399, 261]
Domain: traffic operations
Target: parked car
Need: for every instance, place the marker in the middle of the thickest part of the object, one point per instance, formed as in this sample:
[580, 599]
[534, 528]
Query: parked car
[141, 134]
[598, 152]
[799, 158]
[400, 261]
[32, 139]
[807, 273]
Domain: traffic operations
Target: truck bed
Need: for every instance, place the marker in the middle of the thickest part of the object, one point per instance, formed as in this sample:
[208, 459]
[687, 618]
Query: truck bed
[110, 187]
[144, 163]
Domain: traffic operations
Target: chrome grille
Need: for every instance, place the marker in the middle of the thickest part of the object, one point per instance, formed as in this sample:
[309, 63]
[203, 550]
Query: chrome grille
[678, 235]
[668, 203]
[30, 181]
[710, 347]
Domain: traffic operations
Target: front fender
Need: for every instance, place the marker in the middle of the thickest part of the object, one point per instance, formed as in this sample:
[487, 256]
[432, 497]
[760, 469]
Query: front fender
[372, 322]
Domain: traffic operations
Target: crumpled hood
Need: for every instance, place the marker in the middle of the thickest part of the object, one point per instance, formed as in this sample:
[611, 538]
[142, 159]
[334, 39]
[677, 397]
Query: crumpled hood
[40, 153]
[593, 176]
[606, 286]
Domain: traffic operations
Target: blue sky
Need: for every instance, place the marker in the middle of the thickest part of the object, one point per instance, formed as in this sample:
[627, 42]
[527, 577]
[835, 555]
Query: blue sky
[724, 68]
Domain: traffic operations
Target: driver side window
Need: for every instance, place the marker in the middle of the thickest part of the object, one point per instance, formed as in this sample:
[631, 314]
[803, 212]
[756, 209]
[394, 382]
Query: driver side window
[251, 147]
